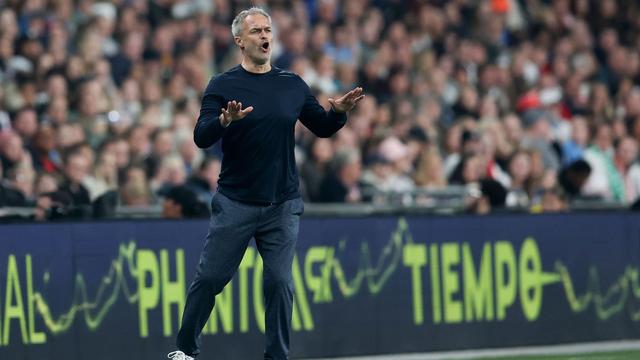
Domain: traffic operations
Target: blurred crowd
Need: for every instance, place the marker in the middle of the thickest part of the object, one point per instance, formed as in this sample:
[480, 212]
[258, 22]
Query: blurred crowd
[527, 104]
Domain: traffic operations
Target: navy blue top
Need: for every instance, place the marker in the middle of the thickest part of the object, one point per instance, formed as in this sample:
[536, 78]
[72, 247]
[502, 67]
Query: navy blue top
[258, 164]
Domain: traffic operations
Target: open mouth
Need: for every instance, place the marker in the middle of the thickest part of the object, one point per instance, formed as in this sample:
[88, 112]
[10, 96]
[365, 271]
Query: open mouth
[265, 46]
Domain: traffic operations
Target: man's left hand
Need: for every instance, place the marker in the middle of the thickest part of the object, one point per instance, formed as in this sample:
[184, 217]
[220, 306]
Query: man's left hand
[347, 101]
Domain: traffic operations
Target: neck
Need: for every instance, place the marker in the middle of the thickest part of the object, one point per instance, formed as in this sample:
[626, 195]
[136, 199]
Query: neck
[255, 68]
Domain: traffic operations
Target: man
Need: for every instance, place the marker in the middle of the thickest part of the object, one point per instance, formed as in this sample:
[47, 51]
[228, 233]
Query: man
[341, 184]
[77, 167]
[258, 186]
[181, 202]
[204, 181]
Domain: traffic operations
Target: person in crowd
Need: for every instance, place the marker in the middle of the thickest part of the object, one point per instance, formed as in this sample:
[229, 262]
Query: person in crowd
[181, 202]
[76, 168]
[204, 182]
[342, 183]
[626, 161]
[604, 181]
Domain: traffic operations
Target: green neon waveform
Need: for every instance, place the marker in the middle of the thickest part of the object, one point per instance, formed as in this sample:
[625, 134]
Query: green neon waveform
[612, 302]
[374, 274]
[94, 310]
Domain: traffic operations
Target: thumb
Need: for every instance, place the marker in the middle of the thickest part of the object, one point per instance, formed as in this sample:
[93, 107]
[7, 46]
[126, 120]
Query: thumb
[245, 112]
[332, 101]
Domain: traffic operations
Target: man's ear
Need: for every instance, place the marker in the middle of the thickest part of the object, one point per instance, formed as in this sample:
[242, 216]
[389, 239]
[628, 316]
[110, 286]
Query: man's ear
[239, 42]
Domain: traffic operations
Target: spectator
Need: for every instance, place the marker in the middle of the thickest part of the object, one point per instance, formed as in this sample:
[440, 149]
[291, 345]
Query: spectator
[46, 183]
[573, 178]
[10, 196]
[76, 168]
[11, 151]
[429, 172]
[553, 200]
[314, 170]
[394, 178]
[46, 157]
[204, 182]
[521, 181]
[170, 173]
[180, 202]
[573, 149]
[538, 137]
[25, 123]
[488, 195]
[605, 181]
[134, 189]
[627, 165]
[341, 183]
[104, 177]
[468, 171]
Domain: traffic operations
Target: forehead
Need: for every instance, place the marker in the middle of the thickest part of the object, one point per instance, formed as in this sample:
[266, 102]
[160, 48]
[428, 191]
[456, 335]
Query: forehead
[256, 21]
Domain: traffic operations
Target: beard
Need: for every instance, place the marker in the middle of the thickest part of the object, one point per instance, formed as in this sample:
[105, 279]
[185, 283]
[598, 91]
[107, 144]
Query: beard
[258, 57]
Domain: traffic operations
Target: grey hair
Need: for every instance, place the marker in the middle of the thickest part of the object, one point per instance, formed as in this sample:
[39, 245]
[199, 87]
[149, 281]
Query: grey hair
[236, 26]
[342, 158]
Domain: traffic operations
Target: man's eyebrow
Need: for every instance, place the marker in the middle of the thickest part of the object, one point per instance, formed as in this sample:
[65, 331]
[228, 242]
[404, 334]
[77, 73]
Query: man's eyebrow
[259, 28]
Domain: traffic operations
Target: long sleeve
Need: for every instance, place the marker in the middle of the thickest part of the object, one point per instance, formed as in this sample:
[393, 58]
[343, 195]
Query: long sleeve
[315, 118]
[208, 129]
[259, 164]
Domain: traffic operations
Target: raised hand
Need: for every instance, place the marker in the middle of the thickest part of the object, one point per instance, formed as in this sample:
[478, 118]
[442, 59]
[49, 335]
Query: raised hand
[347, 101]
[233, 112]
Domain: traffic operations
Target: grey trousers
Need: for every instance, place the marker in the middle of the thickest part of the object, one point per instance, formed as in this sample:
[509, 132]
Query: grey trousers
[233, 224]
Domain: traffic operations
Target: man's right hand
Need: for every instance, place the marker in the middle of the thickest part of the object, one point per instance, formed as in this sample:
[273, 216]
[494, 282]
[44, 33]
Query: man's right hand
[233, 112]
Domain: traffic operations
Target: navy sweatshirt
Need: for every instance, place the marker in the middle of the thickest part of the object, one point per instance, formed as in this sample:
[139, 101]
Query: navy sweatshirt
[258, 164]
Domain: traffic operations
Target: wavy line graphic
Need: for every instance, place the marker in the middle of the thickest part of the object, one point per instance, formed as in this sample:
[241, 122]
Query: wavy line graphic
[371, 274]
[94, 310]
[610, 303]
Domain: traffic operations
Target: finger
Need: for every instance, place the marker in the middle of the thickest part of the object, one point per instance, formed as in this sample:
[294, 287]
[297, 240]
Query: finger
[239, 106]
[356, 100]
[348, 99]
[225, 114]
[356, 92]
[347, 95]
[228, 105]
[353, 94]
[246, 111]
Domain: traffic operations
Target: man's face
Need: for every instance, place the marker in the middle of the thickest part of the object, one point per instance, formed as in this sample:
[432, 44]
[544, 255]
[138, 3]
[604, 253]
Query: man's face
[77, 168]
[171, 209]
[255, 39]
